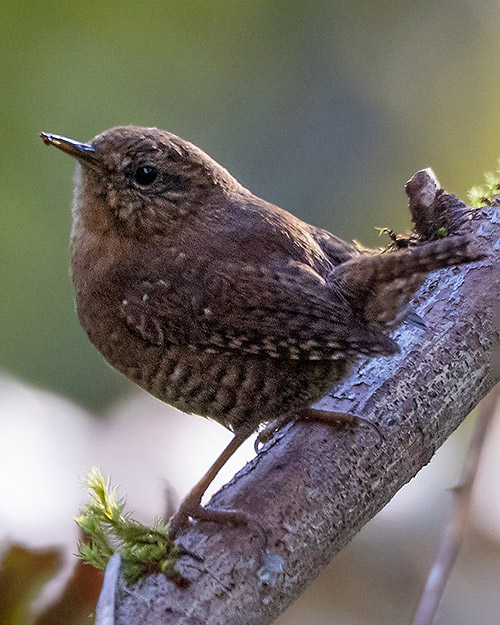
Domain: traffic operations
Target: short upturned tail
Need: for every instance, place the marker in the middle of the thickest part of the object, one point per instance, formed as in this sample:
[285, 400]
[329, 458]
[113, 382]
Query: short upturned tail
[421, 259]
[452, 250]
[380, 286]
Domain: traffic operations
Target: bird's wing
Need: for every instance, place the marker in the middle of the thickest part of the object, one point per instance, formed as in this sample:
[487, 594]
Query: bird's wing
[277, 312]
[336, 249]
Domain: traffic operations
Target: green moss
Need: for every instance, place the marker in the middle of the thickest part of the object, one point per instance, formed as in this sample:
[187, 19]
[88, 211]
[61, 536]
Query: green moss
[144, 550]
[482, 195]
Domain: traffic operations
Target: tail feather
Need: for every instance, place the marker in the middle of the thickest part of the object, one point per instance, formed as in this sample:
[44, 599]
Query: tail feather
[434, 255]
[421, 259]
[380, 286]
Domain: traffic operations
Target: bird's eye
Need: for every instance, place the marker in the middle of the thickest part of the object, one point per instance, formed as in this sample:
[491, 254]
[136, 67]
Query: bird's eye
[145, 175]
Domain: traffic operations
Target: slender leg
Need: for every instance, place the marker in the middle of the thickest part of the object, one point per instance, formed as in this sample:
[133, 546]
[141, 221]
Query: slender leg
[312, 414]
[191, 505]
[270, 430]
[327, 416]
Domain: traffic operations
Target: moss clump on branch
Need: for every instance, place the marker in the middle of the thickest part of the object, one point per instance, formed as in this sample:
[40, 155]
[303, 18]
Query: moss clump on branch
[144, 550]
[482, 195]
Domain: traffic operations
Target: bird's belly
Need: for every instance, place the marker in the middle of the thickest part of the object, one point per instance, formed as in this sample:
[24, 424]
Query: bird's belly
[235, 390]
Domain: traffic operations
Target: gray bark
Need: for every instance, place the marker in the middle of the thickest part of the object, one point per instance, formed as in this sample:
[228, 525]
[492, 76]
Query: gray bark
[313, 487]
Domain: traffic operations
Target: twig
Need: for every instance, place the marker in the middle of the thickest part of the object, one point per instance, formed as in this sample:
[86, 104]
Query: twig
[452, 537]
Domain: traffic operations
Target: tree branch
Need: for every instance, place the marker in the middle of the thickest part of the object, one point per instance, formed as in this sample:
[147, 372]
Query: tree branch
[312, 488]
[453, 534]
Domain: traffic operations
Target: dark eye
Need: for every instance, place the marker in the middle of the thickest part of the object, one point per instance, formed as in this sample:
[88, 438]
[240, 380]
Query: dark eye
[145, 174]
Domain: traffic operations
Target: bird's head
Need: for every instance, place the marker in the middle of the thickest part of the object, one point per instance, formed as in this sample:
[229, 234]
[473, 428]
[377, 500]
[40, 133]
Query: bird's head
[141, 181]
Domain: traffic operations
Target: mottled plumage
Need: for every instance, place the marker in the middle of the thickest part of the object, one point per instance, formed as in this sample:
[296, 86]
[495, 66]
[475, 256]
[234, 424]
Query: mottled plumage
[215, 300]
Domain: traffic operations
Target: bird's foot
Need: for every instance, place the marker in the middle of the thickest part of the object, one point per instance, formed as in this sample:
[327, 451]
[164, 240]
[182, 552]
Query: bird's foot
[268, 432]
[193, 510]
[312, 414]
[191, 506]
[331, 417]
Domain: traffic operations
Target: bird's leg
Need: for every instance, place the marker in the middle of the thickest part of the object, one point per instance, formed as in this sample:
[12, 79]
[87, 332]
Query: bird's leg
[311, 414]
[328, 416]
[268, 432]
[191, 505]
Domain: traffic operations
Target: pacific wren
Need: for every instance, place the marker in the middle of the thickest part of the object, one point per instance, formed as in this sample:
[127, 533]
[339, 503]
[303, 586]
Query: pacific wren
[218, 302]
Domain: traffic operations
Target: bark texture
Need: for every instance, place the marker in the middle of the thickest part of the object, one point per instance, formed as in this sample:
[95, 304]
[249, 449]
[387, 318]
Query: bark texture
[312, 488]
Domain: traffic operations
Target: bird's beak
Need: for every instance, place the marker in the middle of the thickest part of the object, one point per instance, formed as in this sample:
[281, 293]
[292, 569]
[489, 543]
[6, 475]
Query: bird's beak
[83, 152]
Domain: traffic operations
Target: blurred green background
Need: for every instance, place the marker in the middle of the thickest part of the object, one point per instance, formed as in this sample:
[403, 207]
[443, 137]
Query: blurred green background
[325, 108]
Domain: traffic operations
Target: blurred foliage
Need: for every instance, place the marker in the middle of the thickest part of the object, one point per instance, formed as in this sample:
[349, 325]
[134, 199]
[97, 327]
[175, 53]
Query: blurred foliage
[481, 195]
[22, 575]
[24, 572]
[324, 108]
[76, 603]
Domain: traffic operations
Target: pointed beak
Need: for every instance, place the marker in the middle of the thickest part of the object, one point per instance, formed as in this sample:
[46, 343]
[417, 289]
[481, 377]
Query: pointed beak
[83, 152]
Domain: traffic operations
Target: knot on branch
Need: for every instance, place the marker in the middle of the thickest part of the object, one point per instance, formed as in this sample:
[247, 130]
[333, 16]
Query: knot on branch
[434, 211]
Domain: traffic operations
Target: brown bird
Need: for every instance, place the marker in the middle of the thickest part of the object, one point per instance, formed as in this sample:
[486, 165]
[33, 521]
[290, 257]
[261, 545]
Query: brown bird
[218, 302]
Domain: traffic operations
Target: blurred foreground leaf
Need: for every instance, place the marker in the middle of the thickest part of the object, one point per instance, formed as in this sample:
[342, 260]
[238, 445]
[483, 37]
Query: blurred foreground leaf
[23, 573]
[78, 600]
